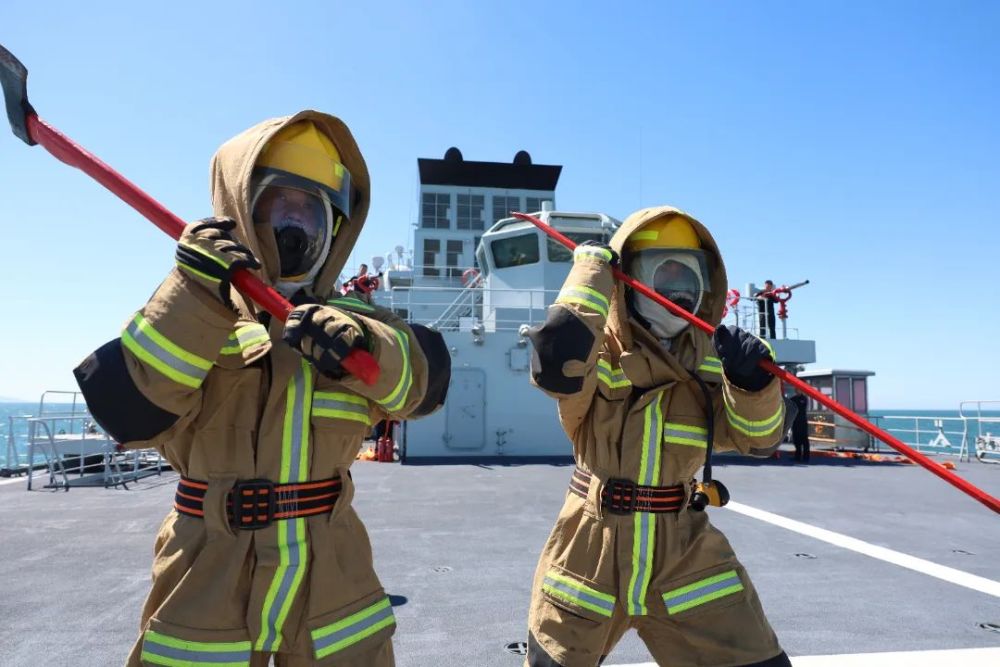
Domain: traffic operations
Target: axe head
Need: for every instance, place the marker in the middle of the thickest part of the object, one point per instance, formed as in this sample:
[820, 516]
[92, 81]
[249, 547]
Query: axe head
[14, 79]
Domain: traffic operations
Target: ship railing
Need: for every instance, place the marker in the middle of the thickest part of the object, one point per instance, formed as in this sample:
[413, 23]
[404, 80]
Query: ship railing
[746, 317]
[74, 451]
[982, 428]
[928, 434]
[467, 303]
[508, 308]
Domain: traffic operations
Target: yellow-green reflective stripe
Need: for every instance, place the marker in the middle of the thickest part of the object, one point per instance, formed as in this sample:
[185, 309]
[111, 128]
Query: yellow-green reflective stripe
[338, 405]
[711, 365]
[700, 592]
[161, 649]
[203, 253]
[292, 547]
[754, 428]
[644, 236]
[200, 274]
[349, 631]
[245, 337]
[575, 600]
[584, 296]
[583, 588]
[613, 377]
[644, 523]
[397, 398]
[682, 434]
[587, 252]
[164, 356]
[347, 302]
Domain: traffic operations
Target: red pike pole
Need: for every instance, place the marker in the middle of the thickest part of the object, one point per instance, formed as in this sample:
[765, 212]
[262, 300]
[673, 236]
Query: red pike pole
[785, 376]
[33, 130]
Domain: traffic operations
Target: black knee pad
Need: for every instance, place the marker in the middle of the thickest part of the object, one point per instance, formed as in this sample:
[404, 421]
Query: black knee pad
[780, 660]
[537, 657]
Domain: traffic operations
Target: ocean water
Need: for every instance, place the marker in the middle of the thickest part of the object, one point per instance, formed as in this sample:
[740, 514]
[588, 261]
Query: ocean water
[917, 428]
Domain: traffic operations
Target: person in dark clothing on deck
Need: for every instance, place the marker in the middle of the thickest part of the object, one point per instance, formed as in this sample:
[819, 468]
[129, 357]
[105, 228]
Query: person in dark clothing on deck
[765, 309]
[800, 427]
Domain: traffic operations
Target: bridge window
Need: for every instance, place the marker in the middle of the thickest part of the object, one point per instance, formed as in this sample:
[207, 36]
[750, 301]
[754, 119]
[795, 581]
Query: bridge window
[532, 204]
[515, 250]
[434, 211]
[453, 257]
[504, 206]
[431, 248]
[470, 211]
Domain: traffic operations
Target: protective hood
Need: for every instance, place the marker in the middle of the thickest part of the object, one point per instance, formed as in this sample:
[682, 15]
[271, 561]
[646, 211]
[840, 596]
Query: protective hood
[231, 171]
[691, 345]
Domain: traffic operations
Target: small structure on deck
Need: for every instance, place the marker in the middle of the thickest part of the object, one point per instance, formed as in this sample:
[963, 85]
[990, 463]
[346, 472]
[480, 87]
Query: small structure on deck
[850, 389]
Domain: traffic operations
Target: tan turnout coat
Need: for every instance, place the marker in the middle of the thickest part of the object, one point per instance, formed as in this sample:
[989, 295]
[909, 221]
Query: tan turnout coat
[639, 415]
[249, 407]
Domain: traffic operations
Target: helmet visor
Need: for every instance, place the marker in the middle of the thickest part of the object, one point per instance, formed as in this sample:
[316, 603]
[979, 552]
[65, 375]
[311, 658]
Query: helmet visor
[302, 219]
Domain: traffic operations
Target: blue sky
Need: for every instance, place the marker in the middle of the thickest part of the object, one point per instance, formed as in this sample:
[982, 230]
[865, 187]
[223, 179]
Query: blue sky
[855, 144]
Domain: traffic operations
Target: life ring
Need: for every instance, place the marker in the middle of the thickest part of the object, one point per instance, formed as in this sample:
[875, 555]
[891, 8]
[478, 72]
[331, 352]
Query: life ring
[469, 277]
[733, 298]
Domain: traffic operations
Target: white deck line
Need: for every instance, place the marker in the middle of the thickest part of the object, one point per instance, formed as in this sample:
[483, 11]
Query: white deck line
[14, 480]
[949, 574]
[967, 657]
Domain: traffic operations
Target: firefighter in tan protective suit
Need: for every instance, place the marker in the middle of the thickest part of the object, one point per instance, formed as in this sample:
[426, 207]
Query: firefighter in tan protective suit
[263, 554]
[644, 397]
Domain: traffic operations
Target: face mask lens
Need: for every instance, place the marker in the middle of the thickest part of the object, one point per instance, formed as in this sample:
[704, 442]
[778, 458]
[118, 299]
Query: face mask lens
[298, 219]
[679, 283]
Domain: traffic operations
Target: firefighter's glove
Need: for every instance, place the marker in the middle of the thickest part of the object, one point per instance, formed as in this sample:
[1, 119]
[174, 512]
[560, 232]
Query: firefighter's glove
[324, 336]
[208, 253]
[740, 353]
[600, 249]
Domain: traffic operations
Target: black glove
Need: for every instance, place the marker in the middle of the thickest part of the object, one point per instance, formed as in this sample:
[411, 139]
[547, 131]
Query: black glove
[324, 336]
[740, 353]
[208, 253]
[590, 243]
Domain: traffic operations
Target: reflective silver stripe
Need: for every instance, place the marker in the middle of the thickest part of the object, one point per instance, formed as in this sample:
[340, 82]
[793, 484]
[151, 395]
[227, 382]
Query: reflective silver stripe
[591, 253]
[682, 434]
[245, 337]
[349, 631]
[162, 354]
[644, 523]
[338, 405]
[161, 649]
[755, 428]
[584, 296]
[613, 377]
[711, 365]
[702, 591]
[578, 594]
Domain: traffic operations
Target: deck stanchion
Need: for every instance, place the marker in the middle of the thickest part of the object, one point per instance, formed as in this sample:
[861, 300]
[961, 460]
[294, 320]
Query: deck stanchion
[785, 376]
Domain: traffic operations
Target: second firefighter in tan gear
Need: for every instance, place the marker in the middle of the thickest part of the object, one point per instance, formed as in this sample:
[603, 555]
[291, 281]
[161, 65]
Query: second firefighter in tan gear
[263, 557]
[641, 394]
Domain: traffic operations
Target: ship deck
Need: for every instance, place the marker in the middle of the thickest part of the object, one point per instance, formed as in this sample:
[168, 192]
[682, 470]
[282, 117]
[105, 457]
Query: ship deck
[848, 559]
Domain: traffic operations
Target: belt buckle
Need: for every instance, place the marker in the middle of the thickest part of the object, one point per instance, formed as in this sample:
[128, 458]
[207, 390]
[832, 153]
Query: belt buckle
[620, 495]
[252, 504]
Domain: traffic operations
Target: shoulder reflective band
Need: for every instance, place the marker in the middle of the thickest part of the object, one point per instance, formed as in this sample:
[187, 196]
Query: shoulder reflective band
[755, 428]
[160, 649]
[245, 337]
[339, 405]
[612, 377]
[682, 434]
[167, 357]
[350, 303]
[349, 631]
[711, 365]
[584, 296]
[700, 592]
[575, 593]
[397, 397]
[591, 253]
[293, 550]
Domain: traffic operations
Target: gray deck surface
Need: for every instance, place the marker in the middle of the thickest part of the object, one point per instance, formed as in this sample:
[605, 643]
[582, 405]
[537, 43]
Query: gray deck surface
[460, 542]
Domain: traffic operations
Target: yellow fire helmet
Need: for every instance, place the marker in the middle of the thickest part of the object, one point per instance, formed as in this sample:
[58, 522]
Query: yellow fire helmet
[301, 189]
[668, 232]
